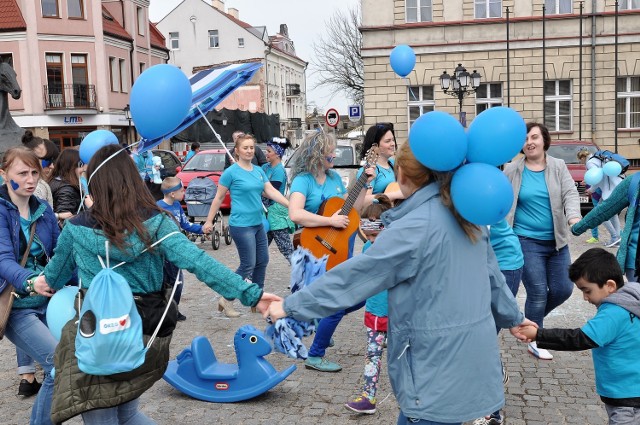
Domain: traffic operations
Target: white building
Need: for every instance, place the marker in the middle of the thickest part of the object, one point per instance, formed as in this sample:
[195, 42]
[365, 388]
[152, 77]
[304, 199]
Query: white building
[200, 34]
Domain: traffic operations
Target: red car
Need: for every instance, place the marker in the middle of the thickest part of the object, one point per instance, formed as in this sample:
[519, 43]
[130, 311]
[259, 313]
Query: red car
[202, 164]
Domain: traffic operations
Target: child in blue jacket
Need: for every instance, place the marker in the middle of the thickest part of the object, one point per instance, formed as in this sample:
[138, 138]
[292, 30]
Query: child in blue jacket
[173, 192]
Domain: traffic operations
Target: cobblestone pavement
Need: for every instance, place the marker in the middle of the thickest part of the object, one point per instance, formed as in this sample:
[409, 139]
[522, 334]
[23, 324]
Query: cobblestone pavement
[560, 391]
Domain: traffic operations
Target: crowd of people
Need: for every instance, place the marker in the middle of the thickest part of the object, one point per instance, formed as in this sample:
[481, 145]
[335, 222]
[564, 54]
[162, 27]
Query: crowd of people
[454, 290]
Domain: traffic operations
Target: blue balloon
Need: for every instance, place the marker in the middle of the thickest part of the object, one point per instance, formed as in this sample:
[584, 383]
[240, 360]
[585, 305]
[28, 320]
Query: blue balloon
[612, 168]
[61, 309]
[438, 141]
[160, 100]
[496, 136]
[95, 140]
[481, 193]
[402, 59]
[593, 176]
[265, 224]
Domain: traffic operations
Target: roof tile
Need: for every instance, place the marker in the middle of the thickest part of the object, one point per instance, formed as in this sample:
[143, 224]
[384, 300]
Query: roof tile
[10, 16]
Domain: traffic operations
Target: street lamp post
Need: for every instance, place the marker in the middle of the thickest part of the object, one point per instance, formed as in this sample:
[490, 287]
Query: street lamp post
[127, 116]
[459, 85]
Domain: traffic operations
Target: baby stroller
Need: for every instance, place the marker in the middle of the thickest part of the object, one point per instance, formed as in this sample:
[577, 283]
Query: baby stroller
[198, 196]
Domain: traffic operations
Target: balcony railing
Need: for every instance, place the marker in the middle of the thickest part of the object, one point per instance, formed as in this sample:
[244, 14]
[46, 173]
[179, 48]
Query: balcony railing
[70, 96]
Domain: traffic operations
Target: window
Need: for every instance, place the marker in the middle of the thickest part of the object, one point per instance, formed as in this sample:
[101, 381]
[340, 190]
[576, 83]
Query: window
[6, 58]
[141, 67]
[629, 4]
[50, 9]
[75, 9]
[80, 80]
[557, 105]
[124, 86]
[421, 101]
[488, 96]
[114, 74]
[214, 41]
[174, 40]
[240, 42]
[419, 10]
[142, 21]
[557, 7]
[628, 102]
[55, 80]
[488, 9]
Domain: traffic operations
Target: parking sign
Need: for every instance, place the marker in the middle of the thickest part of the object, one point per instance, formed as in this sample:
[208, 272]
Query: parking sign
[332, 118]
[355, 113]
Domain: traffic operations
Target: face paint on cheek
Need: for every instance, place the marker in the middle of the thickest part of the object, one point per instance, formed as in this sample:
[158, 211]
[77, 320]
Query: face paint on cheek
[329, 159]
[14, 185]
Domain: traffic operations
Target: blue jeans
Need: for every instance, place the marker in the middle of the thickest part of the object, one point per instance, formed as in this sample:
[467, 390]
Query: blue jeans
[403, 420]
[326, 328]
[253, 250]
[594, 231]
[124, 414]
[545, 277]
[25, 363]
[28, 331]
[513, 278]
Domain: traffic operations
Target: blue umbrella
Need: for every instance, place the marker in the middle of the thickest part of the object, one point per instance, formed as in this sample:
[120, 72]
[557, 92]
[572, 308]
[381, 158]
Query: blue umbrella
[208, 87]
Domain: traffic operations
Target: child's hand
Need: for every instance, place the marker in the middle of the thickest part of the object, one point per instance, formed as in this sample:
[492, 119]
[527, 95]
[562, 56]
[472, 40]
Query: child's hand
[525, 331]
[529, 331]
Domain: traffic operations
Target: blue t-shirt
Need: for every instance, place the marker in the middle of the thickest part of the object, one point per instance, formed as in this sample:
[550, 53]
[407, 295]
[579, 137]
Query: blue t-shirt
[36, 248]
[378, 305]
[189, 155]
[246, 188]
[632, 247]
[506, 246]
[176, 211]
[533, 217]
[616, 361]
[276, 175]
[316, 194]
[384, 176]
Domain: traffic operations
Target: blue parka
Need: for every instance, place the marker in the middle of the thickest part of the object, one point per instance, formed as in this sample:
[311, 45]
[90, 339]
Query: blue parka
[47, 232]
[446, 295]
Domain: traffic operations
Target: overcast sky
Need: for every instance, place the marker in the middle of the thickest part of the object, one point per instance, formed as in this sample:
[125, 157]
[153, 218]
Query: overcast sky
[304, 20]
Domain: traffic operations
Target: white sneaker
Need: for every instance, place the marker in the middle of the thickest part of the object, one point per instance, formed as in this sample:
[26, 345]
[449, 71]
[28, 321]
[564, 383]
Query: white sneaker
[540, 353]
[612, 243]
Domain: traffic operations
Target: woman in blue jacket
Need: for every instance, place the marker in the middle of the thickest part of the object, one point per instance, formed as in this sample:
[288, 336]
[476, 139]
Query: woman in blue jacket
[19, 211]
[446, 295]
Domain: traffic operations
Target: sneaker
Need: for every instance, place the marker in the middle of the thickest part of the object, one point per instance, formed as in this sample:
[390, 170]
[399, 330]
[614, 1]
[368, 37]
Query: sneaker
[489, 420]
[332, 343]
[181, 317]
[362, 404]
[29, 389]
[612, 243]
[593, 240]
[540, 353]
[321, 364]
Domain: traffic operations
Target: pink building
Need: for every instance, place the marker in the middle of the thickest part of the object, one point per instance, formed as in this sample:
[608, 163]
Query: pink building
[76, 61]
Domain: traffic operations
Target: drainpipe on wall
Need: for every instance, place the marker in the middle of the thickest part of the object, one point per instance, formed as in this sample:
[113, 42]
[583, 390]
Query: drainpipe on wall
[594, 5]
[266, 77]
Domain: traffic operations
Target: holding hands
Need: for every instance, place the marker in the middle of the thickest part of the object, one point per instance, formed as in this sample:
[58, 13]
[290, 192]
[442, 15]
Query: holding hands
[525, 331]
[266, 303]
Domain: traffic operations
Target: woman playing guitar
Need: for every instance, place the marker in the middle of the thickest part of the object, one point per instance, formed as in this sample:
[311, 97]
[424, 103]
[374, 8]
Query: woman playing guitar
[313, 182]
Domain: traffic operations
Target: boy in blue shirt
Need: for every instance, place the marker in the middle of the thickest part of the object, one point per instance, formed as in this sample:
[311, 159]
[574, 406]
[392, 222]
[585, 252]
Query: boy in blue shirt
[174, 193]
[613, 333]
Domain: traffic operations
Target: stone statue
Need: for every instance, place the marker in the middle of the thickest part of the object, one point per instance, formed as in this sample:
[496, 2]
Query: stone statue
[10, 132]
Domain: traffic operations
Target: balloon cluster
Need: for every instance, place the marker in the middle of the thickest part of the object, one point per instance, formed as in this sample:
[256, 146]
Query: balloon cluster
[160, 101]
[594, 175]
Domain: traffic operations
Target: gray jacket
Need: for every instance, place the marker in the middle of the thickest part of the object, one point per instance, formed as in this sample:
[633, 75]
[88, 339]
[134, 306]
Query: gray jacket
[563, 195]
[444, 294]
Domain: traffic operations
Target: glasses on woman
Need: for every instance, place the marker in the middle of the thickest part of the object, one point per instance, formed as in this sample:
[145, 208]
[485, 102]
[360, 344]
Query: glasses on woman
[388, 125]
[45, 162]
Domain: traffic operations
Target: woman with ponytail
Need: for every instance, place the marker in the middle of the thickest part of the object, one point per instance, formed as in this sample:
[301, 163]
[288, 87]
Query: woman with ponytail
[445, 294]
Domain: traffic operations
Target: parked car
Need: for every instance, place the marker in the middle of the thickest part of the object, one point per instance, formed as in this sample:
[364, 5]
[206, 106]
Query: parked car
[567, 150]
[346, 163]
[205, 163]
[170, 161]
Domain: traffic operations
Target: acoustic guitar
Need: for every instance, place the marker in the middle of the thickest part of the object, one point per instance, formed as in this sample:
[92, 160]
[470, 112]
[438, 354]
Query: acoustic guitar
[321, 241]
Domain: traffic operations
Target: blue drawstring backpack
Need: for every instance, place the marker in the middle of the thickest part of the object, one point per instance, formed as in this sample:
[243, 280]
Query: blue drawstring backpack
[109, 339]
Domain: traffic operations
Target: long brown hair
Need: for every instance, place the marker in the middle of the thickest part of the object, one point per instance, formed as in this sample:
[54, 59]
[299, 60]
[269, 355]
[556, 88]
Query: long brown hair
[420, 176]
[121, 201]
[66, 165]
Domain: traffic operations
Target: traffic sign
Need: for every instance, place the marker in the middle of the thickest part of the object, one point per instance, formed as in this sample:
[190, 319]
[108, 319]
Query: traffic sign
[332, 118]
[355, 113]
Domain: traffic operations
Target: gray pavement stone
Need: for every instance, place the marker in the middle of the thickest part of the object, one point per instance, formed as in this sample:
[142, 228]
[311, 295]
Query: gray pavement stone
[560, 391]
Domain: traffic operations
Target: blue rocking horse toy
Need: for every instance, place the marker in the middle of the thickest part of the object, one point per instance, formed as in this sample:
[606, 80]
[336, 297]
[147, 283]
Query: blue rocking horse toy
[197, 373]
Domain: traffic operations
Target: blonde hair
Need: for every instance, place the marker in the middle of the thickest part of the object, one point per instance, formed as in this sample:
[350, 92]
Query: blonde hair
[420, 176]
[583, 154]
[169, 182]
[239, 141]
[313, 150]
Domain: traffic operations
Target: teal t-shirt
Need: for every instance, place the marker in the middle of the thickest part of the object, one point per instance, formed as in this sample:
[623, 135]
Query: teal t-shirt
[533, 217]
[616, 361]
[36, 248]
[315, 193]
[506, 246]
[632, 247]
[378, 304]
[276, 174]
[246, 189]
[384, 176]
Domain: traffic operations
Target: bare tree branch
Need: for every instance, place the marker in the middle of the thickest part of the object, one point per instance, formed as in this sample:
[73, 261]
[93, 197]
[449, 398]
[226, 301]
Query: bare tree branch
[338, 60]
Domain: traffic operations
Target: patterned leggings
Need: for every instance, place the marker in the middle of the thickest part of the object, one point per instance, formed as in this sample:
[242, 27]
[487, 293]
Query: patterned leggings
[283, 241]
[373, 360]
